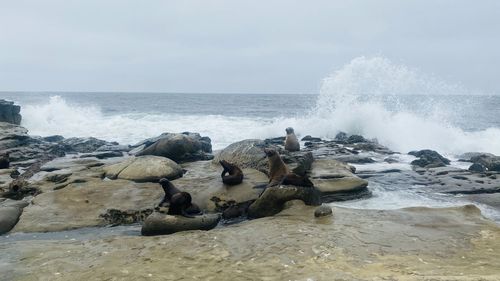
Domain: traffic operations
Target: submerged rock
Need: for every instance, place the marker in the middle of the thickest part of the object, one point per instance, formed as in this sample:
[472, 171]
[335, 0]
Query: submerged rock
[160, 224]
[323, 211]
[183, 147]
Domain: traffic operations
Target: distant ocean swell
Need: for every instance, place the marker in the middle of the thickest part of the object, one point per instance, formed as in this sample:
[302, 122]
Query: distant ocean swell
[349, 101]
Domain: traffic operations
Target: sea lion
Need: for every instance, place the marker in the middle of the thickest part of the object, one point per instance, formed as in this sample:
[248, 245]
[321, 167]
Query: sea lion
[235, 173]
[291, 141]
[179, 202]
[280, 174]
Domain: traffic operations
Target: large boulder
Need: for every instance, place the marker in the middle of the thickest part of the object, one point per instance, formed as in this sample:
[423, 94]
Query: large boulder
[9, 112]
[15, 141]
[183, 147]
[273, 199]
[159, 223]
[491, 162]
[203, 181]
[336, 181]
[245, 154]
[144, 169]
[429, 159]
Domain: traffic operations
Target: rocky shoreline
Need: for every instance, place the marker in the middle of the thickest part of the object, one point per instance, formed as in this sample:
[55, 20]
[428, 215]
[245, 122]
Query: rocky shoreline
[56, 184]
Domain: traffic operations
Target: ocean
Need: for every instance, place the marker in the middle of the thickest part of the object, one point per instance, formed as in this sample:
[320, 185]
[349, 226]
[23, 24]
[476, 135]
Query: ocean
[400, 107]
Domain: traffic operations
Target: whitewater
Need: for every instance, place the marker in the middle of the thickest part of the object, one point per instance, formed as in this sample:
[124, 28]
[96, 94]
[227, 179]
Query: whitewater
[401, 107]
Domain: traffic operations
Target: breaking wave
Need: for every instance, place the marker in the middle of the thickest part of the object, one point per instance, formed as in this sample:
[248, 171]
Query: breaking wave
[363, 97]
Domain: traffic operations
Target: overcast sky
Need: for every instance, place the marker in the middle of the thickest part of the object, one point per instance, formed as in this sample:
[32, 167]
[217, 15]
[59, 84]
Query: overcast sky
[239, 46]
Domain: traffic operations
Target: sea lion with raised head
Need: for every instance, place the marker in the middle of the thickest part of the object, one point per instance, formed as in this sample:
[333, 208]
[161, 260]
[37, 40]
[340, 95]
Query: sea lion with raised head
[291, 141]
[179, 202]
[280, 174]
[235, 173]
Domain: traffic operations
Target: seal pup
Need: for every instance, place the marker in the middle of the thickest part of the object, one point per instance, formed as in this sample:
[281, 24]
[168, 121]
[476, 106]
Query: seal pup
[280, 174]
[179, 202]
[235, 173]
[291, 141]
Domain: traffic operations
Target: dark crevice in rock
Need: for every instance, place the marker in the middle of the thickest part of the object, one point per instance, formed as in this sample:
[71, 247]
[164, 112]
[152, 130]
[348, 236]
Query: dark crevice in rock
[116, 217]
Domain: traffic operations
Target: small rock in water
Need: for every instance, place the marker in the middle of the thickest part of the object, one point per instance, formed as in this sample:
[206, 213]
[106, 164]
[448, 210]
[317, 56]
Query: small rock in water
[311, 139]
[355, 139]
[323, 211]
[477, 168]
[428, 159]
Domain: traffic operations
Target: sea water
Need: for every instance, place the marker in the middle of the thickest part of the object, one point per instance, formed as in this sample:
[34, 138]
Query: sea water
[400, 107]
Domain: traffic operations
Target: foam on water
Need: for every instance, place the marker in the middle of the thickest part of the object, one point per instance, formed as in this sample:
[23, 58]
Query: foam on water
[59, 117]
[350, 100]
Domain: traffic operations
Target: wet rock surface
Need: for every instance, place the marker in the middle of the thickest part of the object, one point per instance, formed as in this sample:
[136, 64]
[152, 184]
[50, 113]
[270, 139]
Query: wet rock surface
[90, 190]
[161, 224]
[406, 244]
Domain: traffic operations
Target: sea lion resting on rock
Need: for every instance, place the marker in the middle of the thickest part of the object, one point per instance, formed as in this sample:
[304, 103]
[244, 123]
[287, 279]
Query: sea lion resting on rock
[235, 173]
[280, 174]
[180, 202]
[291, 141]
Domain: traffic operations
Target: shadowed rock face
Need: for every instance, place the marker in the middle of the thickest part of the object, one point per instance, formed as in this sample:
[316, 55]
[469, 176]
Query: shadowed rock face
[9, 112]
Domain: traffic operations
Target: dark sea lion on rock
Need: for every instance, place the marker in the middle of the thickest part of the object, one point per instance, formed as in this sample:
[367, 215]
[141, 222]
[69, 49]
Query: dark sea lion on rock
[280, 174]
[179, 202]
[291, 141]
[235, 173]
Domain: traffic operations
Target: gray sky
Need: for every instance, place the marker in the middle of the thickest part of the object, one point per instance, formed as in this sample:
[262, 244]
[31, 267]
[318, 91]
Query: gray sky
[239, 46]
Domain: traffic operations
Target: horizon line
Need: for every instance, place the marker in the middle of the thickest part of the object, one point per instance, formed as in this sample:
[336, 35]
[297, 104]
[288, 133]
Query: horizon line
[158, 92]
